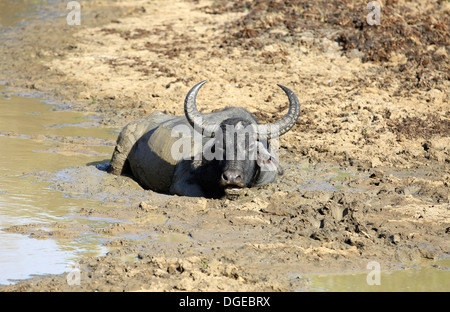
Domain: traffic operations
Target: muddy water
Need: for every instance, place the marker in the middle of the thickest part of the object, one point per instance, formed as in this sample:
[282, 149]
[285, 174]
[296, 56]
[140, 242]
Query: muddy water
[432, 276]
[13, 12]
[33, 138]
[29, 134]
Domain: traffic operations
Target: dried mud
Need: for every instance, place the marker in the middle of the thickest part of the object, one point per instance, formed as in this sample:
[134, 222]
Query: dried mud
[367, 166]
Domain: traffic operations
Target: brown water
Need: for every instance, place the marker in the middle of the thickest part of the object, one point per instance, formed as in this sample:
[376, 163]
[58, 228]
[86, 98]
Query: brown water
[32, 138]
[13, 12]
[429, 276]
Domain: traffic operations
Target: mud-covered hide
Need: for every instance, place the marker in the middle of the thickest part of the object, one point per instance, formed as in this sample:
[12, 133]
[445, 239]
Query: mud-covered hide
[128, 137]
[144, 147]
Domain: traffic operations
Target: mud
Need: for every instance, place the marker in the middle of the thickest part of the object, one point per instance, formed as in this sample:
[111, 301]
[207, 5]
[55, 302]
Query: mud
[367, 167]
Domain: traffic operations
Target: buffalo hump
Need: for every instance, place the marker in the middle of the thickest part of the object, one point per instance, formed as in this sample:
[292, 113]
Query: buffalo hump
[144, 149]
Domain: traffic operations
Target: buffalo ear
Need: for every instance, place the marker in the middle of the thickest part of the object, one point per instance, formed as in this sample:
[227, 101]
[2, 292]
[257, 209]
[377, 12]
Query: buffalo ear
[267, 160]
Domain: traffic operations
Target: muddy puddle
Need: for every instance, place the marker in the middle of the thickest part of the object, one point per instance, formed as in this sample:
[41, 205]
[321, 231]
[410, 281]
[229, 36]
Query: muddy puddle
[34, 137]
[433, 276]
[19, 11]
[29, 143]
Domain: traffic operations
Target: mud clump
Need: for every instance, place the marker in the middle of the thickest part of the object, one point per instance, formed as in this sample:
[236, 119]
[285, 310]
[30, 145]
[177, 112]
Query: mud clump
[421, 127]
[412, 36]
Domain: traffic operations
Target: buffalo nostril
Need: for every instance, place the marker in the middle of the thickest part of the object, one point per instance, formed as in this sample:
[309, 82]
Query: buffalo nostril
[232, 176]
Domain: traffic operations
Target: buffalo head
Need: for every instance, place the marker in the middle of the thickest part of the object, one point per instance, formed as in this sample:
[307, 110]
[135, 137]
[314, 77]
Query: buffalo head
[238, 155]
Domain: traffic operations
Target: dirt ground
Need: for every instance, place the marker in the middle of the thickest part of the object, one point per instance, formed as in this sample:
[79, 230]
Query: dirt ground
[367, 166]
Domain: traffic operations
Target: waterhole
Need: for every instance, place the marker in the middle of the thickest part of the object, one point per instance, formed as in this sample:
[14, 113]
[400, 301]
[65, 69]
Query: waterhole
[34, 137]
[430, 276]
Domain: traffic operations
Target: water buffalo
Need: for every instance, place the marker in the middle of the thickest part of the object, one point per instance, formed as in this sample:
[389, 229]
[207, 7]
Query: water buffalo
[202, 155]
